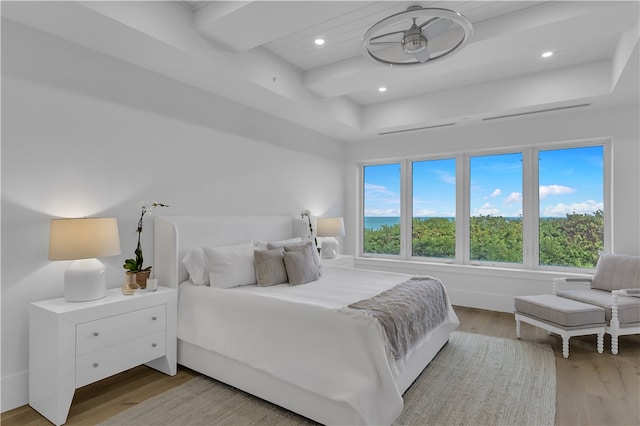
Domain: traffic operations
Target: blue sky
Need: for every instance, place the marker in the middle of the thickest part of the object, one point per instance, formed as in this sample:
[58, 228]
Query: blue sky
[570, 181]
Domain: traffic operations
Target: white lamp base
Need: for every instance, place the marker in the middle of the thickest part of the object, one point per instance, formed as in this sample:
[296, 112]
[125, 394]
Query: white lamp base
[329, 248]
[85, 280]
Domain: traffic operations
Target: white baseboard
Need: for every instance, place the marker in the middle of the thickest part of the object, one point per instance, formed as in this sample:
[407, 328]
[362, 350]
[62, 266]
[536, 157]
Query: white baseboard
[481, 300]
[14, 390]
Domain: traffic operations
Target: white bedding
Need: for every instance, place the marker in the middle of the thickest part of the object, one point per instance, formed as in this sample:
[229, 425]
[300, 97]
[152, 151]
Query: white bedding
[295, 334]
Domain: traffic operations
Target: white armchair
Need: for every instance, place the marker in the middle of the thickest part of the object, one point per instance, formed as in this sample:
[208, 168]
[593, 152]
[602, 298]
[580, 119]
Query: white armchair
[615, 286]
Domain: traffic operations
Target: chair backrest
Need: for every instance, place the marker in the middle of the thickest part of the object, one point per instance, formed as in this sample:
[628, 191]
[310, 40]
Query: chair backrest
[616, 271]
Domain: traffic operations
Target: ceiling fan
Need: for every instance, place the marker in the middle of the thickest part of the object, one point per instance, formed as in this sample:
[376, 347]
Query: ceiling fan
[432, 33]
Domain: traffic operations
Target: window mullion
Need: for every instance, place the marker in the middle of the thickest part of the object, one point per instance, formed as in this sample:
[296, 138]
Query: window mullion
[462, 209]
[406, 210]
[530, 208]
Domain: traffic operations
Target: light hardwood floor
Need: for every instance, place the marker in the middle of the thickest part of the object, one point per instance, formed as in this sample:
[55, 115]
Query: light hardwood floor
[592, 388]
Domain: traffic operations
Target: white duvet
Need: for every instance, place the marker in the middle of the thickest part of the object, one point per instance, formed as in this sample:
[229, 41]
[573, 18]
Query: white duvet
[295, 334]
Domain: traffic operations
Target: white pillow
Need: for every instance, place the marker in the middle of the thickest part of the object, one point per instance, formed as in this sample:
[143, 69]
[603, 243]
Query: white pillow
[264, 245]
[316, 255]
[230, 266]
[196, 266]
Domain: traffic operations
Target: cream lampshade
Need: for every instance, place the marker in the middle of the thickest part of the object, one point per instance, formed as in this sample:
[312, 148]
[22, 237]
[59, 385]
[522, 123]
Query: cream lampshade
[329, 228]
[82, 240]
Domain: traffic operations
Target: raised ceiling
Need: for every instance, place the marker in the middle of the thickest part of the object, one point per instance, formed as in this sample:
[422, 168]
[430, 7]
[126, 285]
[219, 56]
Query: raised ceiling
[262, 54]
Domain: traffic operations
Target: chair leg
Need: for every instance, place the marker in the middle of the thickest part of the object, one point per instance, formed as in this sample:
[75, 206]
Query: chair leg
[518, 330]
[614, 344]
[600, 342]
[565, 346]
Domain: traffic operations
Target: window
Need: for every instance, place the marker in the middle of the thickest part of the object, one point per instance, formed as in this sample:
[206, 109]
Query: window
[381, 224]
[571, 207]
[434, 208]
[496, 208]
[535, 208]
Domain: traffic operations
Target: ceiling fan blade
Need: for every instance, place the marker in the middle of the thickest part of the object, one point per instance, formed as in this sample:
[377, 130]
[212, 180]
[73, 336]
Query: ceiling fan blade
[381, 43]
[393, 53]
[429, 22]
[434, 29]
[385, 35]
[422, 56]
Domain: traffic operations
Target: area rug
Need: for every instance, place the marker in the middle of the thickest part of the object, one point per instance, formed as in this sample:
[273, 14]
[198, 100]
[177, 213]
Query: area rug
[474, 380]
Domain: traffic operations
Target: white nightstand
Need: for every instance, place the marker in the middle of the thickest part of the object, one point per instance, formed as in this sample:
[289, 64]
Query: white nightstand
[344, 260]
[72, 344]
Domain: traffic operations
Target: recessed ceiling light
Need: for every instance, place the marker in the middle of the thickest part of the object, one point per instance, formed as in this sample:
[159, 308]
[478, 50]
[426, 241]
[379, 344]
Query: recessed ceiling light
[382, 89]
[547, 54]
[319, 41]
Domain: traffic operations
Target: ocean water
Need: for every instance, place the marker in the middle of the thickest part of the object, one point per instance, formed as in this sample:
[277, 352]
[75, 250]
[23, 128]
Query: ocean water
[376, 222]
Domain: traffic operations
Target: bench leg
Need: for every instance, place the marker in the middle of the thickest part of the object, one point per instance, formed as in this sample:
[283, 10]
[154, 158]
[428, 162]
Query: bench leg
[614, 344]
[600, 343]
[565, 346]
[518, 329]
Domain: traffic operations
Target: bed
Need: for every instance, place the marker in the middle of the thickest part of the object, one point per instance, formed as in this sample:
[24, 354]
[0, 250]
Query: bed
[296, 346]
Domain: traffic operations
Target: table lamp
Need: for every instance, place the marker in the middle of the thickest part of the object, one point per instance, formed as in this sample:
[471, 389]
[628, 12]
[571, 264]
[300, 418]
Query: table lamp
[82, 240]
[329, 228]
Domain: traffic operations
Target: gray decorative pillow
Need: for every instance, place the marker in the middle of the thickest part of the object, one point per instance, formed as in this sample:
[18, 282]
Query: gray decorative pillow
[310, 247]
[616, 271]
[301, 268]
[270, 269]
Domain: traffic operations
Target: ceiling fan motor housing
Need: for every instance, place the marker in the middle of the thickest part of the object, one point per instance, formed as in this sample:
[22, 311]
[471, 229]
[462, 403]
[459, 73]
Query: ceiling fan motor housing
[413, 41]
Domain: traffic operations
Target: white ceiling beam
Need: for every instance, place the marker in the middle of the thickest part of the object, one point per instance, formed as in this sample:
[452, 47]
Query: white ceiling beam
[567, 85]
[244, 26]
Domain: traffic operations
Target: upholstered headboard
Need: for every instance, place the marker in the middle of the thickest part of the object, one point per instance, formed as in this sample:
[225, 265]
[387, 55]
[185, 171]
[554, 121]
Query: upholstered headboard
[176, 235]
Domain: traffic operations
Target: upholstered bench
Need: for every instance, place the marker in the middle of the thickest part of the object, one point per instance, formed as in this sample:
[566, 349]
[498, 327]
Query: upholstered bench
[564, 317]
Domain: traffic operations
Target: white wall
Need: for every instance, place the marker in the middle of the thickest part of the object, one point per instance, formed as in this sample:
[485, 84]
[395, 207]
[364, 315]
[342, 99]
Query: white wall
[492, 288]
[87, 135]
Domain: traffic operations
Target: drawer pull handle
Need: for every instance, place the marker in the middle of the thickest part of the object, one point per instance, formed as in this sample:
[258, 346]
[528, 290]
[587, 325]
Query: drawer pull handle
[153, 345]
[154, 318]
[96, 334]
[95, 364]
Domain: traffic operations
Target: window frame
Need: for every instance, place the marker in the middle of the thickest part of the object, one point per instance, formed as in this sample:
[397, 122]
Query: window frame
[468, 216]
[409, 224]
[530, 205]
[360, 220]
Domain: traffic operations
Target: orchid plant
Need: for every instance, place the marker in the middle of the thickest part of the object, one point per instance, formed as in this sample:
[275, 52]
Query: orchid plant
[307, 214]
[135, 265]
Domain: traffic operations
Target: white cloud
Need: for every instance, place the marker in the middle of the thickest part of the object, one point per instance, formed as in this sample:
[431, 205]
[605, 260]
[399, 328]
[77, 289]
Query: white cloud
[514, 197]
[561, 210]
[371, 189]
[446, 177]
[424, 212]
[546, 190]
[496, 193]
[487, 210]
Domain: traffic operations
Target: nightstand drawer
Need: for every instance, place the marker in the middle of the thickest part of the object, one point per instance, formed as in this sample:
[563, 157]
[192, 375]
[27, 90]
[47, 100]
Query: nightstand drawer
[95, 335]
[114, 359]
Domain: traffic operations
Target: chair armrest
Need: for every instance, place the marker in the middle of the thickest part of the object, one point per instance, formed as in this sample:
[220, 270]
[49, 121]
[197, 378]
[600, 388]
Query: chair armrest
[634, 292]
[557, 281]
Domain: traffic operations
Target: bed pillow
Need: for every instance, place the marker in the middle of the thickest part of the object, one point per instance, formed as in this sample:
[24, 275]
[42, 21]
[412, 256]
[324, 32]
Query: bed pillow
[312, 248]
[270, 269]
[265, 245]
[300, 266]
[196, 266]
[230, 266]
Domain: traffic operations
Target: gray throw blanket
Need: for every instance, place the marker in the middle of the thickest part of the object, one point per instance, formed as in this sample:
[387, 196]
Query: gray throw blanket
[407, 311]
